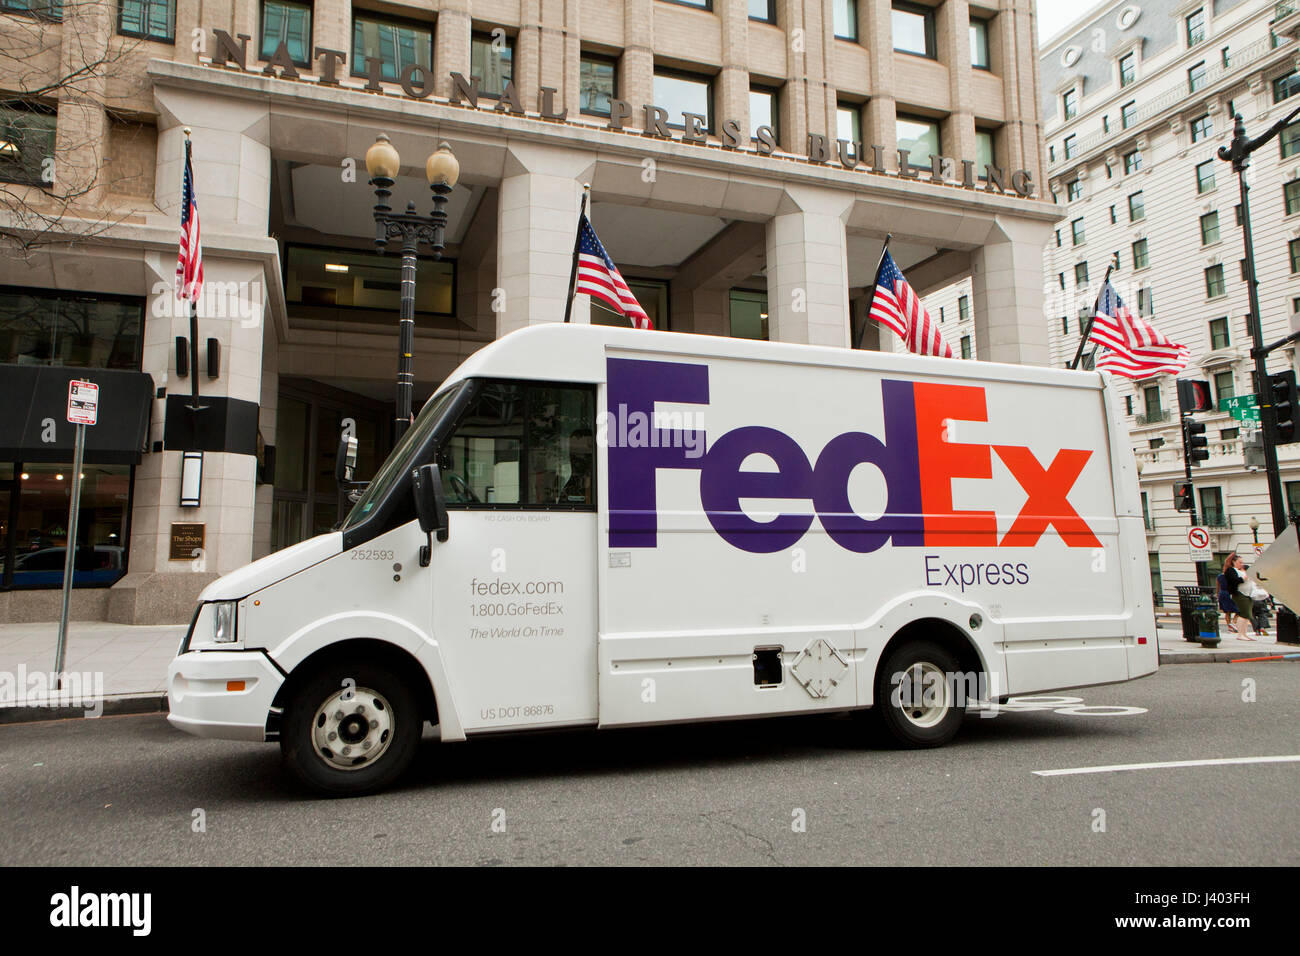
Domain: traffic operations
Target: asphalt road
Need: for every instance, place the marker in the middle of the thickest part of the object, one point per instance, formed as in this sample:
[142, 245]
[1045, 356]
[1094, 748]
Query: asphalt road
[125, 790]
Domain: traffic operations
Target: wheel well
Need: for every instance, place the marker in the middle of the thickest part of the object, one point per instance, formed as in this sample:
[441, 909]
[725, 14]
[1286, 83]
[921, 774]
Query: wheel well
[944, 633]
[401, 661]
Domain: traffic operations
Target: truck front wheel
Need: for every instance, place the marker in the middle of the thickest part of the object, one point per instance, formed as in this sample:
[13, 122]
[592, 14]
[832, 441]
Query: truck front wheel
[917, 703]
[350, 729]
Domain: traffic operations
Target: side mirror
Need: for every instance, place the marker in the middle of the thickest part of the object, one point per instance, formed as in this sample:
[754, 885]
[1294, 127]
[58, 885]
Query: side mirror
[345, 463]
[430, 507]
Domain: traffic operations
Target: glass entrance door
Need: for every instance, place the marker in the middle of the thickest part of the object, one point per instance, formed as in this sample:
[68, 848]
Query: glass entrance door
[309, 422]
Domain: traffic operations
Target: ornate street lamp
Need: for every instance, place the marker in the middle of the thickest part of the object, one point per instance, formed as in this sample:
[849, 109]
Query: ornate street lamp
[442, 170]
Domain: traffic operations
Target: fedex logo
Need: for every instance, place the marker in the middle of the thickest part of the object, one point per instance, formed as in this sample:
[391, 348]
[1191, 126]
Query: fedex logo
[914, 456]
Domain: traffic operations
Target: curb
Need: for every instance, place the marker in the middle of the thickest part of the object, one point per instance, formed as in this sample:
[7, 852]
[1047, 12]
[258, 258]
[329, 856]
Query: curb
[116, 705]
[1218, 657]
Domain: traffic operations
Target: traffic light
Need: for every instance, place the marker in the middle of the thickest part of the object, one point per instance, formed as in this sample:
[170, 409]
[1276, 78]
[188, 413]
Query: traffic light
[1183, 496]
[1282, 392]
[1195, 444]
[1194, 395]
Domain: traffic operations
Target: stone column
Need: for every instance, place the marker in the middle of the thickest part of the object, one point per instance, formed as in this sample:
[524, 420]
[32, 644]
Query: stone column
[952, 23]
[332, 30]
[538, 214]
[636, 68]
[794, 121]
[807, 268]
[1007, 281]
[451, 44]
[881, 113]
[732, 97]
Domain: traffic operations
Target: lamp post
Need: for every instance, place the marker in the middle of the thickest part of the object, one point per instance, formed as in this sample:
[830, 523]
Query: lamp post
[1254, 528]
[1238, 153]
[442, 170]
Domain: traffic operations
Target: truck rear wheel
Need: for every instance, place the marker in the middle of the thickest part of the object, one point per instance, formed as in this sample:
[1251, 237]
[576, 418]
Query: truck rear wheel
[350, 729]
[917, 702]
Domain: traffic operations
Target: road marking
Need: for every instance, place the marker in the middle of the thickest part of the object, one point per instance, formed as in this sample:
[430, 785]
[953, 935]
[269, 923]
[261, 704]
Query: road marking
[1218, 761]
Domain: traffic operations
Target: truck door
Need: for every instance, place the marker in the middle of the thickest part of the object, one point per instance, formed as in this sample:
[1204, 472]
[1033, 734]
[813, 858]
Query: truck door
[514, 599]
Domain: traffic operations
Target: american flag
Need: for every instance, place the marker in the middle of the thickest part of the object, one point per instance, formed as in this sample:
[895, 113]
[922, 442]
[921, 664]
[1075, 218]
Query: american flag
[896, 305]
[599, 277]
[189, 264]
[1134, 348]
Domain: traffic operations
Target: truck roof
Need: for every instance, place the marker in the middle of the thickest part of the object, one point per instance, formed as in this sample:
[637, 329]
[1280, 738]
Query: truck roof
[576, 353]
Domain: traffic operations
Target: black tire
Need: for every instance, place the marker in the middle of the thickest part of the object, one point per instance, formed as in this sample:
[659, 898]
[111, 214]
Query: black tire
[386, 700]
[935, 722]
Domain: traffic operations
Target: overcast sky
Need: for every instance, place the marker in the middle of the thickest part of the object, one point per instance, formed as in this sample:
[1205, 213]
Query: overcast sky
[1055, 15]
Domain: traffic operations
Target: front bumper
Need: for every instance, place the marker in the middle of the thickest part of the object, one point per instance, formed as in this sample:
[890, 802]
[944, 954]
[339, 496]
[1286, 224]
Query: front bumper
[201, 700]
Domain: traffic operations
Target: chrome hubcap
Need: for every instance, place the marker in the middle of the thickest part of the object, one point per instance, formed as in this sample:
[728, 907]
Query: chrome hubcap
[925, 696]
[352, 729]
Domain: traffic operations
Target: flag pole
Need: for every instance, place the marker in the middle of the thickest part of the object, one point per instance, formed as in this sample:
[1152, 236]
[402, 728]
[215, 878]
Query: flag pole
[573, 269]
[1087, 329]
[866, 317]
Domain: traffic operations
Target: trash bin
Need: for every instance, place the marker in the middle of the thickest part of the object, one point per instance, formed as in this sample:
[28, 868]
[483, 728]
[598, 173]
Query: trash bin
[1287, 630]
[1207, 618]
[1190, 600]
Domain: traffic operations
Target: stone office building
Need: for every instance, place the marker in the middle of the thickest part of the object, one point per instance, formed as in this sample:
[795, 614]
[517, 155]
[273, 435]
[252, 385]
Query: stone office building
[746, 159]
[1137, 99]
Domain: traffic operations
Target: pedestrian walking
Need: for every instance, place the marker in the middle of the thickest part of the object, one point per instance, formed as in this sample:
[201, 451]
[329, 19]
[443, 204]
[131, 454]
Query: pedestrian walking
[1232, 601]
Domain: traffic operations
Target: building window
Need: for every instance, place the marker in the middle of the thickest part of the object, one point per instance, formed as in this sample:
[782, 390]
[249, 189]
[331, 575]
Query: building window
[1293, 498]
[1212, 507]
[651, 294]
[965, 346]
[1113, 218]
[1285, 86]
[1214, 284]
[941, 315]
[1081, 273]
[1146, 301]
[1128, 404]
[1290, 140]
[338, 282]
[1105, 125]
[491, 61]
[26, 142]
[1210, 228]
[1070, 101]
[1119, 262]
[846, 19]
[1140, 260]
[983, 151]
[680, 93]
[748, 315]
[150, 19]
[1294, 248]
[848, 122]
[699, 4]
[963, 308]
[1065, 325]
[1058, 238]
[41, 9]
[1291, 196]
[1196, 27]
[1127, 69]
[1155, 443]
[1241, 264]
[1205, 176]
[1132, 162]
[597, 85]
[1295, 304]
[762, 10]
[1073, 190]
[920, 137]
[1227, 434]
[1219, 334]
[1060, 279]
[763, 111]
[1202, 128]
[1157, 584]
[1151, 402]
[64, 329]
[1196, 77]
[1137, 209]
[1076, 231]
[396, 45]
[1110, 174]
[1128, 114]
[1236, 213]
[979, 44]
[1071, 142]
[913, 29]
[290, 24]
[1051, 153]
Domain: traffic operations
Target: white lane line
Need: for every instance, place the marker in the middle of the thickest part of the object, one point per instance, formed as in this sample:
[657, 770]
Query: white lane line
[1218, 761]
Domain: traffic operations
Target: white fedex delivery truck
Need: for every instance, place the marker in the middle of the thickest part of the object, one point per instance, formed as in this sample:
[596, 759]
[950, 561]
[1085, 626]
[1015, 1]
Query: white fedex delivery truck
[604, 527]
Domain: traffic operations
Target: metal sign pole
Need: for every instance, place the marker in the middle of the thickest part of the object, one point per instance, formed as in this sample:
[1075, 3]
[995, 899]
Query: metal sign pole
[69, 558]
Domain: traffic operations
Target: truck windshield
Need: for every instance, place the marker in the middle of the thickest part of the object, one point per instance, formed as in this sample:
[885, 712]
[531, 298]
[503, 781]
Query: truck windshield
[399, 462]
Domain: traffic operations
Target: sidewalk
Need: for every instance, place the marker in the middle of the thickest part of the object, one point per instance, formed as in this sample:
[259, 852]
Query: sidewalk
[124, 663]
[128, 664]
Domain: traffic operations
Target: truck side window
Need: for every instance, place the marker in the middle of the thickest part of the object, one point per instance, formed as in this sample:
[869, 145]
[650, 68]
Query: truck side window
[523, 444]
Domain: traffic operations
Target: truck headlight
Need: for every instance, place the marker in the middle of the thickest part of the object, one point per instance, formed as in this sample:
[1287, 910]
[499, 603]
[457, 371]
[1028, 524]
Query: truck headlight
[223, 622]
